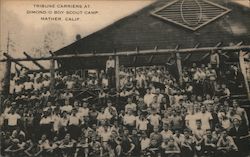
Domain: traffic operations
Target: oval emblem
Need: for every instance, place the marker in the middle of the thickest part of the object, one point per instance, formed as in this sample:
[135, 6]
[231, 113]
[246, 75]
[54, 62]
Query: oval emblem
[191, 12]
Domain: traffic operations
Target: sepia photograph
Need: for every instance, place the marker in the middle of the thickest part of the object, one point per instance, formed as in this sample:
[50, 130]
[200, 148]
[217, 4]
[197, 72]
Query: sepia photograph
[124, 78]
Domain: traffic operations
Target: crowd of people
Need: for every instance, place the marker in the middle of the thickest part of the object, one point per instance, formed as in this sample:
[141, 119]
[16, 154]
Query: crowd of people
[152, 114]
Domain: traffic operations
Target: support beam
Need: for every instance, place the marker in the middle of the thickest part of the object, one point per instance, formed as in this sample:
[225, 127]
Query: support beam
[243, 70]
[34, 61]
[190, 54]
[208, 54]
[150, 59]
[9, 58]
[204, 57]
[6, 81]
[225, 55]
[141, 52]
[197, 45]
[40, 70]
[179, 67]
[84, 74]
[173, 55]
[52, 77]
[246, 53]
[152, 56]
[239, 44]
[51, 53]
[218, 44]
[236, 45]
[187, 56]
[177, 47]
[134, 59]
[117, 72]
[21, 65]
[137, 49]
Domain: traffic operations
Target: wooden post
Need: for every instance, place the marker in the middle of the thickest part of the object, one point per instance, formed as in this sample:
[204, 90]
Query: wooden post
[135, 70]
[11, 59]
[52, 77]
[84, 74]
[6, 81]
[243, 70]
[179, 67]
[117, 71]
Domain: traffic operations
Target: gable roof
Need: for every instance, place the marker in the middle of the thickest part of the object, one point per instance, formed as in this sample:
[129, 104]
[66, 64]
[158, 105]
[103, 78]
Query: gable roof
[145, 31]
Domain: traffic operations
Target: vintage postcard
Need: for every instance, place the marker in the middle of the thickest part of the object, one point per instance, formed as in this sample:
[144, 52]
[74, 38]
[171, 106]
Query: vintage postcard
[124, 78]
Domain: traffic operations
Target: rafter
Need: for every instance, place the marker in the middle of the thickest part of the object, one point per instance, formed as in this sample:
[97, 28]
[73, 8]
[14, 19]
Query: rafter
[236, 45]
[17, 62]
[190, 54]
[207, 54]
[34, 61]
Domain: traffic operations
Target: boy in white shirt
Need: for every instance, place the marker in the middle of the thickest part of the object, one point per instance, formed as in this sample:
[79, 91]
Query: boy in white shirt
[145, 142]
[148, 97]
[205, 117]
[83, 111]
[154, 119]
[13, 119]
[67, 107]
[166, 133]
[110, 111]
[129, 120]
[141, 123]
[74, 123]
[130, 105]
